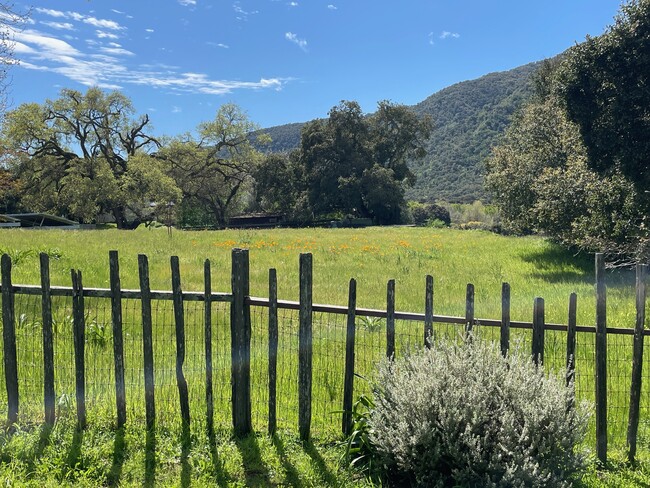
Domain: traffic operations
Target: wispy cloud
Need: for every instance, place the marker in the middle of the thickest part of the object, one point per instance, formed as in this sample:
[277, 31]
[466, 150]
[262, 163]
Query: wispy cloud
[59, 25]
[149, 30]
[106, 35]
[108, 66]
[332, 7]
[50, 12]
[430, 37]
[187, 3]
[241, 13]
[301, 43]
[448, 35]
[293, 4]
[218, 44]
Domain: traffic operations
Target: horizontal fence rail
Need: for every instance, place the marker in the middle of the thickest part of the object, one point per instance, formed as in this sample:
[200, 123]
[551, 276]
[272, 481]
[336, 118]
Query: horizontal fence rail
[286, 364]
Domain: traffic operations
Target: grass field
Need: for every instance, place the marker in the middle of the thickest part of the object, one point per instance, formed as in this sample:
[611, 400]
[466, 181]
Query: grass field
[532, 266]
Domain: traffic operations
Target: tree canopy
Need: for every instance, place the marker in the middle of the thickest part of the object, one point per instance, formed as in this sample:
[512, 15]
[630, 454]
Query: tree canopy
[574, 162]
[84, 154]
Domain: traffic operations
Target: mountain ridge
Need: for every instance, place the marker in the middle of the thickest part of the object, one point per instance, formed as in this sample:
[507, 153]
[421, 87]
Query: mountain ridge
[469, 118]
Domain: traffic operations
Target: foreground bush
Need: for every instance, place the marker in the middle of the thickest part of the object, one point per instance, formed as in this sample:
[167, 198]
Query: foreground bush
[462, 415]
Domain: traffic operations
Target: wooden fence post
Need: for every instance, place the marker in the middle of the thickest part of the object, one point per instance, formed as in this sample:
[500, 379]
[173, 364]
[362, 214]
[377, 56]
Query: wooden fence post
[428, 312]
[305, 347]
[147, 342]
[390, 319]
[179, 319]
[79, 335]
[49, 395]
[538, 332]
[637, 361]
[505, 319]
[9, 341]
[118, 337]
[469, 311]
[601, 360]
[348, 388]
[240, 331]
[571, 339]
[273, 349]
[207, 325]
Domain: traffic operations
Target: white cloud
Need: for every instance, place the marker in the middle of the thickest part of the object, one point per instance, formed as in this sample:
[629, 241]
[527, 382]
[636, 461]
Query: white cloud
[59, 25]
[176, 110]
[430, 36]
[106, 35]
[187, 3]
[50, 12]
[105, 65]
[332, 7]
[241, 13]
[301, 43]
[293, 4]
[117, 11]
[148, 30]
[102, 23]
[447, 35]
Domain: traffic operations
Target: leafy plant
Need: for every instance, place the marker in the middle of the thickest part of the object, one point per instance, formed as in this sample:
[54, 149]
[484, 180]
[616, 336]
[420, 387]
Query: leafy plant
[97, 334]
[359, 453]
[18, 256]
[462, 415]
[371, 324]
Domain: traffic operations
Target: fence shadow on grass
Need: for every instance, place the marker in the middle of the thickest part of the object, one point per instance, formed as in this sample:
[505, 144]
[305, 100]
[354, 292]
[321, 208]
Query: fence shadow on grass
[290, 471]
[150, 459]
[554, 264]
[319, 463]
[255, 470]
[74, 453]
[119, 448]
[221, 479]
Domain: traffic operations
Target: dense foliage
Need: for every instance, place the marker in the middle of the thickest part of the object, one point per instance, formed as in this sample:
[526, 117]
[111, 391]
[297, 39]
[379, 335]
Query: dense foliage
[573, 164]
[82, 155]
[462, 415]
[468, 119]
[348, 164]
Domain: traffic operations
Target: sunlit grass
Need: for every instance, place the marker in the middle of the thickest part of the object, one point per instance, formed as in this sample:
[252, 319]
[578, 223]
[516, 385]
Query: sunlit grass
[532, 266]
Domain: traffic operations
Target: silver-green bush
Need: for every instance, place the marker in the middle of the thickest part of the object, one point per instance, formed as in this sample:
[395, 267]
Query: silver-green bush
[462, 415]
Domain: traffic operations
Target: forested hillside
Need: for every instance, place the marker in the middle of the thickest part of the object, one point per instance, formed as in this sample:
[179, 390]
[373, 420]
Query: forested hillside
[468, 119]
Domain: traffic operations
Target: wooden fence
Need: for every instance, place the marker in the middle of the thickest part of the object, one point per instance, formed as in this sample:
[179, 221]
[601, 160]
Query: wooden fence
[240, 303]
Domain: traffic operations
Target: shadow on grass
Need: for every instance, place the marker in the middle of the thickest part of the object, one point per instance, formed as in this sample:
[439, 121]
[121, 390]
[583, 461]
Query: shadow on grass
[319, 463]
[119, 452]
[217, 465]
[255, 471]
[73, 459]
[555, 264]
[290, 471]
[150, 459]
[186, 444]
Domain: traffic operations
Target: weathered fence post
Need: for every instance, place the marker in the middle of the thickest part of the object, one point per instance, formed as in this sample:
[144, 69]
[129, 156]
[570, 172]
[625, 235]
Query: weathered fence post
[179, 319]
[348, 388]
[9, 341]
[505, 319]
[390, 319]
[469, 311]
[637, 361]
[305, 347]
[147, 342]
[538, 331]
[601, 360]
[571, 339]
[79, 335]
[118, 337]
[240, 331]
[273, 349]
[49, 395]
[428, 312]
[207, 324]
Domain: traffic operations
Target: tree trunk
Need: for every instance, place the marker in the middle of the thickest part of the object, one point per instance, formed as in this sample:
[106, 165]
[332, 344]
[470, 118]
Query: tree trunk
[119, 213]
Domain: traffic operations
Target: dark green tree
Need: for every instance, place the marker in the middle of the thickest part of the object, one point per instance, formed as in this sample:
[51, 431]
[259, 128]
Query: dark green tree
[603, 84]
[357, 164]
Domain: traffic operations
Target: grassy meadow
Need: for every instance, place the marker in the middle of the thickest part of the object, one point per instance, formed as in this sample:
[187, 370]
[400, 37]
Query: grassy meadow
[103, 456]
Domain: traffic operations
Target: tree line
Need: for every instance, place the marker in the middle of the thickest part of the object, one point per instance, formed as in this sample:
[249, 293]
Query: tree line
[575, 162]
[85, 155]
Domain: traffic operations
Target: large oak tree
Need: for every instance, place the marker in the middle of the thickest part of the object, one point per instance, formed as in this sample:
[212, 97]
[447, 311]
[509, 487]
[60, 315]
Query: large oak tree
[84, 154]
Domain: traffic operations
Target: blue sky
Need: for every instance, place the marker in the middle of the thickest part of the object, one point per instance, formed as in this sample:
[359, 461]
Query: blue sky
[284, 61]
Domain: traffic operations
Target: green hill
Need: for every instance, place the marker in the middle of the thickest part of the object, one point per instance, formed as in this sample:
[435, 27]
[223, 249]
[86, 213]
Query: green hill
[468, 119]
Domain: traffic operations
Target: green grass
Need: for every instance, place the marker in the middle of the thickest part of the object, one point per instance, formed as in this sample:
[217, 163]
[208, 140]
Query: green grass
[532, 266]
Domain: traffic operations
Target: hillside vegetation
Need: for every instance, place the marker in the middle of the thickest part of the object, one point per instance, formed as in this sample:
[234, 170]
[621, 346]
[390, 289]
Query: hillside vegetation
[468, 118]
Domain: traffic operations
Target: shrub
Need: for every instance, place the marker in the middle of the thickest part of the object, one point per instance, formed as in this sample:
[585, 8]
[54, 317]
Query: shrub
[462, 415]
[426, 213]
